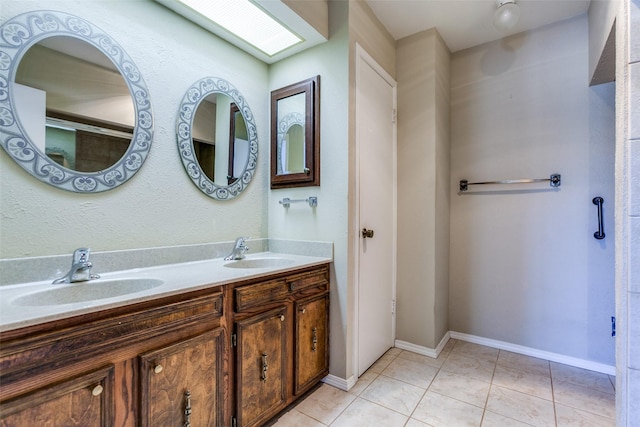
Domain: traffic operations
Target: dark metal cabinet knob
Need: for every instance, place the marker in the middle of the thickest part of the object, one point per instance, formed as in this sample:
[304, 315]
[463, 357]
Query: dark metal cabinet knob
[367, 233]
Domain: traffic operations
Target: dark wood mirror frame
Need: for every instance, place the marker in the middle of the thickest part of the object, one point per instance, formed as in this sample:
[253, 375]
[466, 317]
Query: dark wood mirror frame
[311, 174]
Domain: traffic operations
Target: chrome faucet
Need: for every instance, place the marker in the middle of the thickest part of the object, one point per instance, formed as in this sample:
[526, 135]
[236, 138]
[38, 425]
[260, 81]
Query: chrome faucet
[239, 248]
[80, 268]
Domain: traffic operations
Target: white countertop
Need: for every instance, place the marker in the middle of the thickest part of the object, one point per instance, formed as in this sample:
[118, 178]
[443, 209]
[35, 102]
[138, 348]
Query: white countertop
[177, 278]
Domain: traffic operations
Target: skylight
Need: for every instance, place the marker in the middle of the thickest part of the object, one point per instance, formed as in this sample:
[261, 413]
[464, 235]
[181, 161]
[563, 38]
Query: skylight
[247, 21]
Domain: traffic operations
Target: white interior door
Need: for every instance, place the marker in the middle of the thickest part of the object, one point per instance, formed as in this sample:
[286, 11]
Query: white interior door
[376, 210]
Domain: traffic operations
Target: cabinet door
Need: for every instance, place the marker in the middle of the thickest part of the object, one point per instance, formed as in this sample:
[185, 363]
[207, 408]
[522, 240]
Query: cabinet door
[182, 384]
[260, 366]
[312, 341]
[85, 401]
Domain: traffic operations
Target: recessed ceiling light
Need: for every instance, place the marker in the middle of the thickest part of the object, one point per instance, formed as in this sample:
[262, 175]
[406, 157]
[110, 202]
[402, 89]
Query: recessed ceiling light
[247, 21]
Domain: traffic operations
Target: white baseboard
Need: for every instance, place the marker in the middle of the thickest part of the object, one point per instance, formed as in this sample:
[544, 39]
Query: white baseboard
[347, 384]
[341, 383]
[541, 354]
[425, 351]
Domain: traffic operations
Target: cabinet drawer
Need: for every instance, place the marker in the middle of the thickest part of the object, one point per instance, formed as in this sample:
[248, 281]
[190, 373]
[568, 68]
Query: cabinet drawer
[260, 294]
[26, 356]
[303, 281]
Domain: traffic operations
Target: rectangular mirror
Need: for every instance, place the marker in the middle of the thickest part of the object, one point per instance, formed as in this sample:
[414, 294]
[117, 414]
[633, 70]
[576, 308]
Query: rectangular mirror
[295, 135]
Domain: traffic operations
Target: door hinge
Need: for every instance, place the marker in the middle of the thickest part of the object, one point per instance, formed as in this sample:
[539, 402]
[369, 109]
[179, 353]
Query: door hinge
[393, 306]
[234, 422]
[394, 116]
[234, 340]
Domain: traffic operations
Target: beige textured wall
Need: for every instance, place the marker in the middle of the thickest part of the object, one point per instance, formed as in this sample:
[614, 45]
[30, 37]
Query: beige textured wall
[602, 61]
[315, 12]
[423, 189]
[366, 30]
[442, 190]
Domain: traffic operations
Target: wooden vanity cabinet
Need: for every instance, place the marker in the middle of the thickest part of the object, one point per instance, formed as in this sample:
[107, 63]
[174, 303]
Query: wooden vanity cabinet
[182, 384]
[236, 354]
[83, 401]
[312, 341]
[261, 366]
[100, 369]
[280, 341]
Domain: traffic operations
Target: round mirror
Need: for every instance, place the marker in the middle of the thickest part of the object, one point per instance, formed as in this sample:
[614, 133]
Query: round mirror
[74, 109]
[217, 138]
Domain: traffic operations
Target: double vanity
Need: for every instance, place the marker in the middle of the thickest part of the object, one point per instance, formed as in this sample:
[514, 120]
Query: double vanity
[204, 343]
[209, 342]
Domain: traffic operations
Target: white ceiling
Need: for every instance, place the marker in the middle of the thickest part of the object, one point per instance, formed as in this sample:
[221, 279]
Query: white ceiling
[466, 23]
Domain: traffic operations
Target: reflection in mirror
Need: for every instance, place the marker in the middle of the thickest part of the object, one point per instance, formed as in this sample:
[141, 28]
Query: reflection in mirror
[75, 111]
[217, 138]
[293, 155]
[238, 145]
[295, 135]
[220, 139]
[291, 138]
[89, 114]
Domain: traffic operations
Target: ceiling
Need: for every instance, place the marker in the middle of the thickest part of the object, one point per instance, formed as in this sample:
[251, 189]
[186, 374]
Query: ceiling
[461, 23]
[466, 23]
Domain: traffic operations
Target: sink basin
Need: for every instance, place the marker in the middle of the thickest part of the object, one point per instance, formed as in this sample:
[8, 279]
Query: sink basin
[87, 291]
[259, 263]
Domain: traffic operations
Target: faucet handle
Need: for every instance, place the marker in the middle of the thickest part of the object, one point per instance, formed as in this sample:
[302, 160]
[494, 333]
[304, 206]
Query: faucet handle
[80, 268]
[81, 255]
[244, 241]
[240, 242]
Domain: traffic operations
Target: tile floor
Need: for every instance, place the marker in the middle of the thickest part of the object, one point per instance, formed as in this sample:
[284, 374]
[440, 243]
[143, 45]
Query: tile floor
[467, 385]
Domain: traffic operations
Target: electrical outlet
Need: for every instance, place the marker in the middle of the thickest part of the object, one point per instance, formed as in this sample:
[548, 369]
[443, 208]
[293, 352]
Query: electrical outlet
[613, 326]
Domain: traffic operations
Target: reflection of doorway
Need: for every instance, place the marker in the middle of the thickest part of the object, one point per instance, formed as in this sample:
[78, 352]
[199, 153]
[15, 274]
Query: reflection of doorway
[291, 144]
[293, 150]
[376, 210]
[238, 144]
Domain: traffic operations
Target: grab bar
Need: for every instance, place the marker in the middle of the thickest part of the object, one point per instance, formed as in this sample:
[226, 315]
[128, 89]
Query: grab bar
[554, 181]
[599, 201]
[286, 202]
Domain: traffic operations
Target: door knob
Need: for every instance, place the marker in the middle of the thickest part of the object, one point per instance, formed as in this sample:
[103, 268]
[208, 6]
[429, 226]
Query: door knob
[367, 233]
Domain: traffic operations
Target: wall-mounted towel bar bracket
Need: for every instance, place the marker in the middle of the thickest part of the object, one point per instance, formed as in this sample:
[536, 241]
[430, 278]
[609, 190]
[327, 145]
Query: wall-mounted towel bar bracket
[286, 202]
[554, 181]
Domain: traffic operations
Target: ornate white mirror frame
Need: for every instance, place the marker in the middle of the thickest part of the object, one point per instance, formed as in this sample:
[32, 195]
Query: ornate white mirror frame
[17, 35]
[184, 129]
